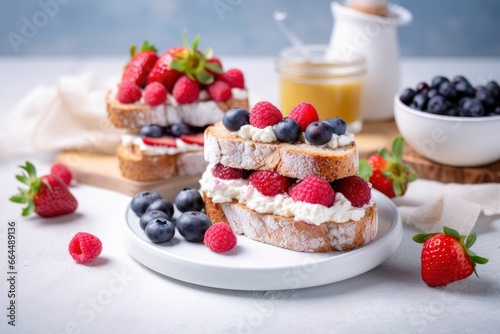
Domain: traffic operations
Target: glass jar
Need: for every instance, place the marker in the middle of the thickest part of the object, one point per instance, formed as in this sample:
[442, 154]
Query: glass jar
[334, 87]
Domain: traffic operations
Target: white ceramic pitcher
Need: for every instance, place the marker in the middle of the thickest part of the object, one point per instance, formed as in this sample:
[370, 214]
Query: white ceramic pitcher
[374, 37]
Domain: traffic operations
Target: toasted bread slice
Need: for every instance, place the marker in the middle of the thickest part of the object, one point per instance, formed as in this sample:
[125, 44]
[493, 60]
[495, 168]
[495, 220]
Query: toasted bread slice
[292, 160]
[134, 116]
[286, 232]
[136, 165]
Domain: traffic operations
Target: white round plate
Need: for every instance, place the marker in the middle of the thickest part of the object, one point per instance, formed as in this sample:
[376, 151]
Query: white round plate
[252, 265]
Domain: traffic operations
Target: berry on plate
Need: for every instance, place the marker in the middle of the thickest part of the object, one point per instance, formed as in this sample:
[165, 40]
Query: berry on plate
[192, 225]
[304, 113]
[137, 70]
[189, 199]
[228, 173]
[155, 94]
[386, 171]
[186, 90]
[160, 230]
[162, 205]
[446, 257]
[355, 189]
[84, 247]
[235, 118]
[62, 171]
[269, 183]
[265, 114]
[149, 216]
[48, 196]
[220, 238]
[314, 190]
[142, 201]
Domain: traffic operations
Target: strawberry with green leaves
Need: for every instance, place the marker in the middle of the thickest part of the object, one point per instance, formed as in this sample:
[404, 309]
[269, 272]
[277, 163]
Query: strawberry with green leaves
[141, 63]
[386, 171]
[446, 257]
[48, 195]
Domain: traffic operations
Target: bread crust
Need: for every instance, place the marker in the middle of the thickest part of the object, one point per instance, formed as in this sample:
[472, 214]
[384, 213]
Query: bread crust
[286, 232]
[136, 165]
[290, 160]
[134, 116]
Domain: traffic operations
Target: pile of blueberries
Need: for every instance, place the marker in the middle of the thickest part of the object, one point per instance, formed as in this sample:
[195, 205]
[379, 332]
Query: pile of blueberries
[454, 98]
[157, 215]
[175, 130]
[288, 130]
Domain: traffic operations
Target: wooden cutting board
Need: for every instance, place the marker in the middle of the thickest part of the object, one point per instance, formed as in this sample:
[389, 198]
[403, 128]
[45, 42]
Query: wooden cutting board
[101, 170]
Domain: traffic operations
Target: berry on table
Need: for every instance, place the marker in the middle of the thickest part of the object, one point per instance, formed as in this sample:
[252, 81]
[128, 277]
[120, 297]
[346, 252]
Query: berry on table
[84, 247]
[355, 189]
[265, 114]
[220, 238]
[314, 190]
[62, 171]
[142, 200]
[304, 113]
[318, 133]
[163, 205]
[287, 130]
[269, 183]
[192, 225]
[189, 199]
[152, 130]
[160, 230]
[338, 125]
[235, 118]
[149, 216]
[155, 94]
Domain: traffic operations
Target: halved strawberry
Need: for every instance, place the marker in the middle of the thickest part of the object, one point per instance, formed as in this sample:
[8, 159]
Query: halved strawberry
[168, 141]
[137, 70]
[194, 138]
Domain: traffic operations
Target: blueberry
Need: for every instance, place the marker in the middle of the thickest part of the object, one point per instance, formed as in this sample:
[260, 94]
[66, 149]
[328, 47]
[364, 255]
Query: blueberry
[235, 118]
[447, 90]
[189, 199]
[496, 111]
[471, 107]
[438, 80]
[338, 125]
[152, 130]
[494, 89]
[192, 225]
[162, 205]
[452, 112]
[149, 216]
[287, 130]
[437, 105]
[486, 99]
[459, 78]
[160, 230]
[422, 87]
[178, 129]
[432, 92]
[318, 133]
[464, 88]
[419, 101]
[407, 96]
[141, 201]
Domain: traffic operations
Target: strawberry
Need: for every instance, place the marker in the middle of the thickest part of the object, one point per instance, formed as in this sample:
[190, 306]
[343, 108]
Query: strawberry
[217, 62]
[314, 190]
[167, 141]
[386, 171]
[446, 257]
[355, 189]
[304, 113]
[229, 173]
[269, 183]
[48, 195]
[62, 171]
[219, 91]
[186, 90]
[161, 72]
[137, 70]
[264, 114]
[194, 138]
[233, 77]
[155, 94]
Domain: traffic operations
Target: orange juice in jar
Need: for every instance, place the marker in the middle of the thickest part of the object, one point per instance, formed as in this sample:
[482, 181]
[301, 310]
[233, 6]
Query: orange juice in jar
[333, 87]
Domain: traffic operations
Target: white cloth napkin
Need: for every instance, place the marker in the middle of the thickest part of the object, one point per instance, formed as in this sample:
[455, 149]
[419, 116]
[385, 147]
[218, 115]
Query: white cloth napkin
[70, 115]
[430, 205]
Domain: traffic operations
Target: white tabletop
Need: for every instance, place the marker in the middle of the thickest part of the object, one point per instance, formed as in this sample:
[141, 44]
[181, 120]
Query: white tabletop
[116, 294]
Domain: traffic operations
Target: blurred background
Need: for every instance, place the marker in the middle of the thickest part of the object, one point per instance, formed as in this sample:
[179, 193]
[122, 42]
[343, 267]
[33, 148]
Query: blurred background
[231, 27]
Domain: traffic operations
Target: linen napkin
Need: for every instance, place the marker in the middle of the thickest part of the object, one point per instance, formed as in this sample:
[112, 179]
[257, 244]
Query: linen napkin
[430, 205]
[69, 115]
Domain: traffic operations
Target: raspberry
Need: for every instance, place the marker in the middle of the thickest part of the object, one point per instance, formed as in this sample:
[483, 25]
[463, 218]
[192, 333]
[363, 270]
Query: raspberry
[186, 90]
[128, 92]
[304, 113]
[355, 189]
[219, 91]
[314, 190]
[234, 78]
[229, 173]
[269, 183]
[84, 247]
[155, 94]
[264, 114]
[62, 171]
[220, 238]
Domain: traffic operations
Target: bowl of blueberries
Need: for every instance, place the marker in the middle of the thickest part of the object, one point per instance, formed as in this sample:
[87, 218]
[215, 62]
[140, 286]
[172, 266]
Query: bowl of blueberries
[450, 121]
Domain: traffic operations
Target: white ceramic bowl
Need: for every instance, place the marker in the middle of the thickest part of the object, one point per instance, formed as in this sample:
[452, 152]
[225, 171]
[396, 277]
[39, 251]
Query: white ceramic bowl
[448, 140]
